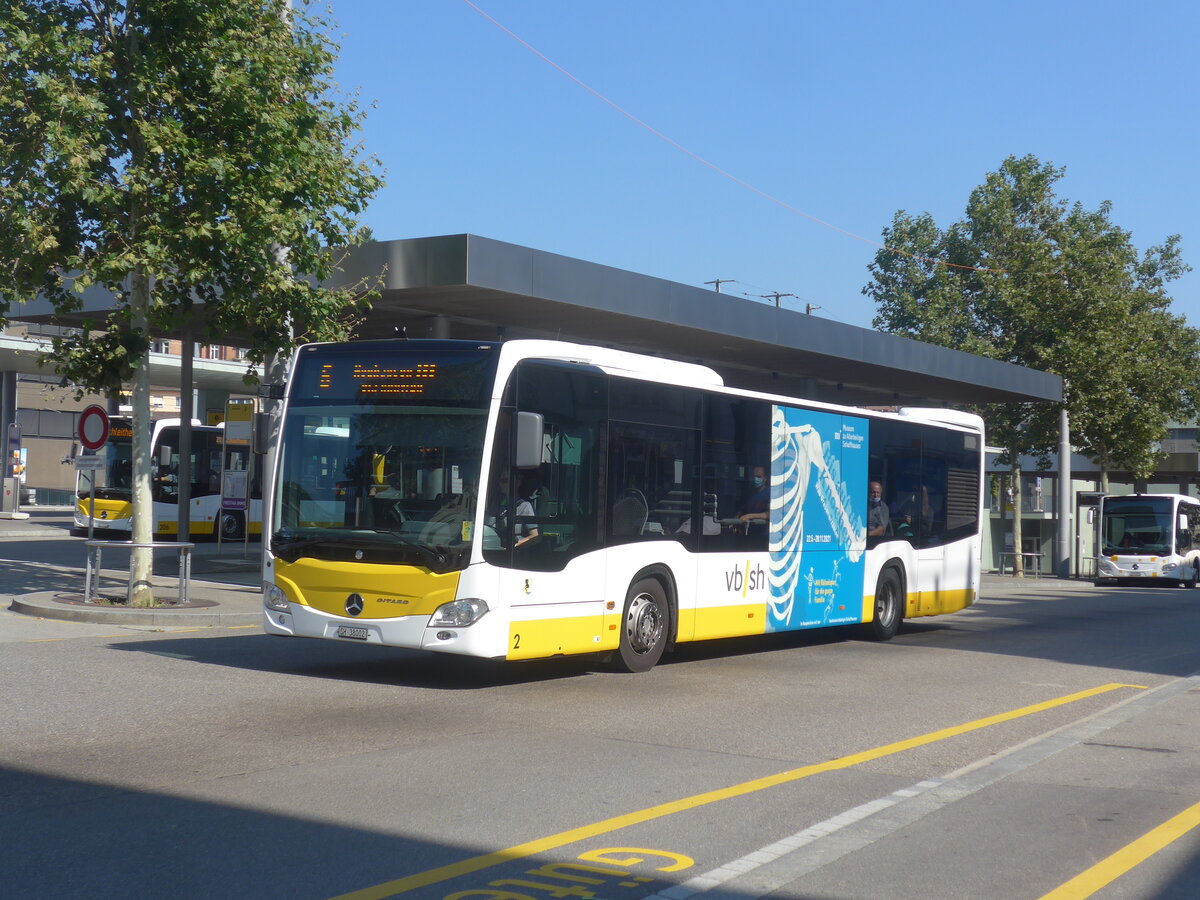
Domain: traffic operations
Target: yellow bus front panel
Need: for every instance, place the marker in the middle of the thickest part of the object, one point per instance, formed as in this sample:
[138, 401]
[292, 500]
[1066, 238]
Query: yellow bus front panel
[387, 591]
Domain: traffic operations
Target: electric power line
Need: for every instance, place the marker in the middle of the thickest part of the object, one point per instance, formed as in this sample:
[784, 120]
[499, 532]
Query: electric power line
[722, 172]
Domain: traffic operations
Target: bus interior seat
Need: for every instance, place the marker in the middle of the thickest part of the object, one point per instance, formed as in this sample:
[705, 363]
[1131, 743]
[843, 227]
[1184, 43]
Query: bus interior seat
[629, 513]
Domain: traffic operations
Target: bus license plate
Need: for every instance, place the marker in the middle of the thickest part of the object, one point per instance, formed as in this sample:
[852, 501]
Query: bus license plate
[349, 631]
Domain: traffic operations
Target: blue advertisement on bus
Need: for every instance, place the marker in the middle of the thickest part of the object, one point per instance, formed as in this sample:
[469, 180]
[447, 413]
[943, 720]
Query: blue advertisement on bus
[818, 532]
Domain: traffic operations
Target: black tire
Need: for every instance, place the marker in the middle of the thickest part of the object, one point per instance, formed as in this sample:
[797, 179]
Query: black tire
[1191, 582]
[889, 608]
[231, 526]
[645, 627]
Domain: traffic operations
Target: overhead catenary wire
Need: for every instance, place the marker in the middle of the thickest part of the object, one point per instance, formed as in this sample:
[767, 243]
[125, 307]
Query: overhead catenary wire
[713, 166]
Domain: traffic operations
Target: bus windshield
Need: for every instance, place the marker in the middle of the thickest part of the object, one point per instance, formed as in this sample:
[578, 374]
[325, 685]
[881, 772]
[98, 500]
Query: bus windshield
[382, 451]
[114, 480]
[1142, 525]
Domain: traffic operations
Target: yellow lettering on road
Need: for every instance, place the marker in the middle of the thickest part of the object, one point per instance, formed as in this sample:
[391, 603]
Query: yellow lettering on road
[606, 826]
[677, 860]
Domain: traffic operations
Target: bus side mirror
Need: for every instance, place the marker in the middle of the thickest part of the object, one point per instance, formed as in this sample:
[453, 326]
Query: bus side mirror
[262, 432]
[528, 452]
[1183, 522]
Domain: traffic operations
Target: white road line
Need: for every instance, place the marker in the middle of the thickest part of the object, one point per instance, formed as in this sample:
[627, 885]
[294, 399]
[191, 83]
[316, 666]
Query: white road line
[772, 867]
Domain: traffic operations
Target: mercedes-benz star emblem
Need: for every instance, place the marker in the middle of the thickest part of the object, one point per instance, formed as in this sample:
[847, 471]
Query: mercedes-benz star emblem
[354, 604]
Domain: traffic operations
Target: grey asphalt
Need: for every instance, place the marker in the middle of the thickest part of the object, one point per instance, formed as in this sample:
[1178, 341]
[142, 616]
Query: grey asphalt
[225, 587]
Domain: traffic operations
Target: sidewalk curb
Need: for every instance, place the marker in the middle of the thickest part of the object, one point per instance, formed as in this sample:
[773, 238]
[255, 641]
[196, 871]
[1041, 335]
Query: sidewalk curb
[43, 605]
[991, 581]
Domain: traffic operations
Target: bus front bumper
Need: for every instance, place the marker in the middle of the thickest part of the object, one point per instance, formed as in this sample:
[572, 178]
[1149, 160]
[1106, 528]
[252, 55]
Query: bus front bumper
[411, 632]
[1109, 569]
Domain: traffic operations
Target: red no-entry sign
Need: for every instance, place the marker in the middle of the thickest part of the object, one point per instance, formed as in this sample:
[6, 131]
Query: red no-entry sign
[93, 427]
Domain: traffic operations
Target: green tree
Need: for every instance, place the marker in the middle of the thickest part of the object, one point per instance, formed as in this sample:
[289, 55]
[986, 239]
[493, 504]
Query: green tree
[169, 151]
[1027, 278]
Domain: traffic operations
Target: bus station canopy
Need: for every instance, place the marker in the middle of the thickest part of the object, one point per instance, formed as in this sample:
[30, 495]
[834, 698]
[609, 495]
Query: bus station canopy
[464, 286]
[468, 287]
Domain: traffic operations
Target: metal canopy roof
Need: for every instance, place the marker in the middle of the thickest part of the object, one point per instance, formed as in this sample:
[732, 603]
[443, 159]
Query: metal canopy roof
[464, 286]
[468, 287]
[21, 355]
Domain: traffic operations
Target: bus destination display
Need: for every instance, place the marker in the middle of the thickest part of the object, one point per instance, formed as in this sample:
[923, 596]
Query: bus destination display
[376, 380]
[385, 376]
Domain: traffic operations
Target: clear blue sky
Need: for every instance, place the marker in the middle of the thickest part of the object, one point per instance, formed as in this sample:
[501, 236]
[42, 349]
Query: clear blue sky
[847, 111]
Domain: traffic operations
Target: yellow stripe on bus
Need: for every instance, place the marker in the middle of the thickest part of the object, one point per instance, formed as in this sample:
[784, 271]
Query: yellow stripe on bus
[926, 603]
[728, 621]
[536, 638]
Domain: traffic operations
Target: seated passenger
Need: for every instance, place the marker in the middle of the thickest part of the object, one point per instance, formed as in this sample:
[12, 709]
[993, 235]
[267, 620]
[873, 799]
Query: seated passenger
[504, 506]
[915, 512]
[756, 505]
[879, 522]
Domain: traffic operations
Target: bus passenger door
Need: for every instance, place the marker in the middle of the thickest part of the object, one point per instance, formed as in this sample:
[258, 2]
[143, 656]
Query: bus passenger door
[544, 524]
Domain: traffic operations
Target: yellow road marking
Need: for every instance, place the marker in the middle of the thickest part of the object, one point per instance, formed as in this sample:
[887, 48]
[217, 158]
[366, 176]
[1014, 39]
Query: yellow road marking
[1108, 870]
[530, 848]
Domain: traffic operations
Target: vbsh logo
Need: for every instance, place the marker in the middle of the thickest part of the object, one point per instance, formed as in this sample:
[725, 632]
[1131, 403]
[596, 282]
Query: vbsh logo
[741, 579]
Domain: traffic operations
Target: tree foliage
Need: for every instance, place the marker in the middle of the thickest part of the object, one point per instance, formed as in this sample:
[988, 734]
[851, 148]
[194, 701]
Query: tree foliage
[179, 154]
[1028, 278]
[181, 143]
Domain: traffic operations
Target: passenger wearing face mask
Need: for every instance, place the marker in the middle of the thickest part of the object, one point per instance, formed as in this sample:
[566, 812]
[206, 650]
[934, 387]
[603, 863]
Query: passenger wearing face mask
[879, 521]
[757, 504]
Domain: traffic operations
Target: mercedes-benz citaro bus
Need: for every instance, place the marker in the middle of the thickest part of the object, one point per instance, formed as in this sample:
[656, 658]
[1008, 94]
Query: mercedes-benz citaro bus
[114, 483]
[1149, 536]
[528, 499]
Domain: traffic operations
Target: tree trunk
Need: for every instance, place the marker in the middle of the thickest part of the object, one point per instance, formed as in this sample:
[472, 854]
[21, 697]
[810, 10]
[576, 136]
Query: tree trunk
[141, 562]
[1018, 563]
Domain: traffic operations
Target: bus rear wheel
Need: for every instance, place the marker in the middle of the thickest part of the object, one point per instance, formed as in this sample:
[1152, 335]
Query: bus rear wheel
[644, 626]
[889, 610]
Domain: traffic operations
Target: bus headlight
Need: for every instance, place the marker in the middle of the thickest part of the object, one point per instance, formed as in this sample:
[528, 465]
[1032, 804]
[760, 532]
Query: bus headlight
[459, 613]
[274, 598]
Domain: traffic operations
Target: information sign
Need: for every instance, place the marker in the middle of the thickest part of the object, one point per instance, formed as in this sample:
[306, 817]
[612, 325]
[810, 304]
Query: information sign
[235, 489]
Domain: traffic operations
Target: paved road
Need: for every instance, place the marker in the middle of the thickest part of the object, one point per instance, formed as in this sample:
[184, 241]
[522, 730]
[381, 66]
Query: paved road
[995, 753]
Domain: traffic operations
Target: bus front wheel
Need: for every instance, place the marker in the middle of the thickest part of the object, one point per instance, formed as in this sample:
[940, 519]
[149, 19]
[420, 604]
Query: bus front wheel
[644, 626]
[889, 610]
[231, 525]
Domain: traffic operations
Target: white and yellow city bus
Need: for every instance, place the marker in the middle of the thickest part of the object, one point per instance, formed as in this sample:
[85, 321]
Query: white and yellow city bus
[618, 513]
[114, 483]
[1149, 536]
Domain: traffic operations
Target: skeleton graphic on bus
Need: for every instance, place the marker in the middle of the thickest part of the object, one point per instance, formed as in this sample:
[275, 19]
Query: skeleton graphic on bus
[817, 537]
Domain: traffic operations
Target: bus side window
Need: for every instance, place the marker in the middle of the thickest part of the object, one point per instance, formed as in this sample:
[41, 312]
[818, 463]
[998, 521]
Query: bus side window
[737, 439]
[651, 471]
[564, 489]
